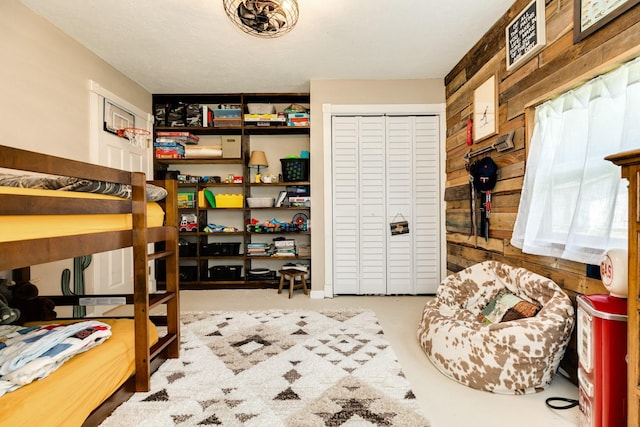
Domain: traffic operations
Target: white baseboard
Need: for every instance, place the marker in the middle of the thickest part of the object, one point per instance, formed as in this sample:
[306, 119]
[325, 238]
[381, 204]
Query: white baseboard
[317, 295]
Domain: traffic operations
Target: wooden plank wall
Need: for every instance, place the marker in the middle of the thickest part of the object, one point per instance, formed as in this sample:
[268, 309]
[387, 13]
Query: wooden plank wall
[559, 66]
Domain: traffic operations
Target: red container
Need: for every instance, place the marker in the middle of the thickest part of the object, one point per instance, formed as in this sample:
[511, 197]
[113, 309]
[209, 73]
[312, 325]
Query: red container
[602, 352]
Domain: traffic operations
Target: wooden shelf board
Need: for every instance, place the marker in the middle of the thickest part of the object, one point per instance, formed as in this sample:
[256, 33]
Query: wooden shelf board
[201, 161]
[277, 184]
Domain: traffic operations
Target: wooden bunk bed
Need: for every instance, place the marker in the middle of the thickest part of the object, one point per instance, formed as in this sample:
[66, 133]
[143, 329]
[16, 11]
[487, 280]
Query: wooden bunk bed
[17, 254]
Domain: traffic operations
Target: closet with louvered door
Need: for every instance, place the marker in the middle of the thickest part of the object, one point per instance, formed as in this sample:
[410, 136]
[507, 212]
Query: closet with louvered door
[385, 170]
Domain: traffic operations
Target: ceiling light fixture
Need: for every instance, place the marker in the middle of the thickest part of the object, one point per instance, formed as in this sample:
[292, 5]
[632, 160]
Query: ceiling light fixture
[263, 18]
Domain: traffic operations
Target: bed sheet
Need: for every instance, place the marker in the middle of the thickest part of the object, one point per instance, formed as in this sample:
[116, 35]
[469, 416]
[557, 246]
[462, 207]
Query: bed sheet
[71, 393]
[26, 227]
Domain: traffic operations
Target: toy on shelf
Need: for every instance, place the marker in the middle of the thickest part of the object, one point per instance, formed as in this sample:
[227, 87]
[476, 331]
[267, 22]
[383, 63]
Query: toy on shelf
[188, 222]
[274, 226]
[215, 228]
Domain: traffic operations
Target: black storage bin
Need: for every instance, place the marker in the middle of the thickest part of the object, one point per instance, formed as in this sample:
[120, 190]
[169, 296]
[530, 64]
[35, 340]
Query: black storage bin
[186, 249]
[225, 272]
[295, 170]
[261, 274]
[220, 249]
[188, 273]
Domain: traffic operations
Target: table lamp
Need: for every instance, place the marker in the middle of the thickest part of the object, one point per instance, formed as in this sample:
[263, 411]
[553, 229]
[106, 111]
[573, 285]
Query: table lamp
[257, 159]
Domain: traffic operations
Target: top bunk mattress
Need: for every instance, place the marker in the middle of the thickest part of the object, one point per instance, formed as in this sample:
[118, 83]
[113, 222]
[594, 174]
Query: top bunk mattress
[27, 227]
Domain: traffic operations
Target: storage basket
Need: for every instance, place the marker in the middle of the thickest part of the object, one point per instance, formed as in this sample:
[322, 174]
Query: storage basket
[225, 272]
[261, 274]
[260, 202]
[187, 249]
[295, 170]
[188, 273]
[254, 108]
[220, 249]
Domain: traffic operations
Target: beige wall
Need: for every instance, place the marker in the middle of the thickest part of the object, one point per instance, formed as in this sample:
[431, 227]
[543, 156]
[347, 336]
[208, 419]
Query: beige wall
[352, 92]
[44, 84]
[44, 81]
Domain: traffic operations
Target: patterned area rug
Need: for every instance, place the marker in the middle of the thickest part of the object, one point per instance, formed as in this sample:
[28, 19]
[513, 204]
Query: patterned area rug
[277, 368]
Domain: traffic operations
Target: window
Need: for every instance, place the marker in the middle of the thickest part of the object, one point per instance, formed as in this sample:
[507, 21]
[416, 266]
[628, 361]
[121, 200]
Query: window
[573, 203]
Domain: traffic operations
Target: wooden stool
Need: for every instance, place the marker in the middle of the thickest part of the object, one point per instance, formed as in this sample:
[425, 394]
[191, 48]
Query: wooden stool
[292, 275]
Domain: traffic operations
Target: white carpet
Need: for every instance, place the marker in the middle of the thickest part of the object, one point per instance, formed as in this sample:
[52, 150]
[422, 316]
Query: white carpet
[277, 368]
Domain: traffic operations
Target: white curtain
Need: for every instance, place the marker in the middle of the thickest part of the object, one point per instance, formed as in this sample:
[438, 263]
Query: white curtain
[573, 203]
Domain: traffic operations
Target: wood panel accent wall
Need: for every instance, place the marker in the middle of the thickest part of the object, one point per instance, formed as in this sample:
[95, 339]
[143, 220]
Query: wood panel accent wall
[559, 66]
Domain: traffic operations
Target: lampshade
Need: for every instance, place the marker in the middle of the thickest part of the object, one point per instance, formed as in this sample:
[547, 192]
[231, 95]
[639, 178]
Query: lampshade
[263, 18]
[258, 158]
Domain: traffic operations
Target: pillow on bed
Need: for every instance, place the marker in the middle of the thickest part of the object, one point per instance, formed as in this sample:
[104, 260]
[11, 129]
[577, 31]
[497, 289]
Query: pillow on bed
[507, 306]
[66, 183]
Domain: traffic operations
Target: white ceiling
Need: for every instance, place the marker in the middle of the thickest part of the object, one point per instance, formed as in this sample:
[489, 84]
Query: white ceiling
[178, 46]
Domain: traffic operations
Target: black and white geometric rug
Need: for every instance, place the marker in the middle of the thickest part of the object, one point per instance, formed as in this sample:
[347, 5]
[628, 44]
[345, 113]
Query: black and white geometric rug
[277, 368]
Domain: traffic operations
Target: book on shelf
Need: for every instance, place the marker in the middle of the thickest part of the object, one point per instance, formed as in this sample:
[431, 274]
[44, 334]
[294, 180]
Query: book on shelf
[177, 136]
[299, 199]
[207, 116]
[285, 251]
[284, 243]
[166, 155]
[258, 245]
[168, 143]
[259, 249]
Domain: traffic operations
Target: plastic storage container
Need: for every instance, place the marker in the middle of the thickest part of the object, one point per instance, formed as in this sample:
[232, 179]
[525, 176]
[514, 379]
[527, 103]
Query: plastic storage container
[227, 123]
[187, 249]
[295, 170]
[227, 113]
[227, 117]
[255, 108]
[260, 202]
[188, 273]
[220, 249]
[225, 272]
[261, 274]
[229, 201]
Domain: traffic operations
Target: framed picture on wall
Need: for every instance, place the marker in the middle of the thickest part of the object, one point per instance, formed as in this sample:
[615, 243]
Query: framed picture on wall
[485, 109]
[526, 34]
[591, 15]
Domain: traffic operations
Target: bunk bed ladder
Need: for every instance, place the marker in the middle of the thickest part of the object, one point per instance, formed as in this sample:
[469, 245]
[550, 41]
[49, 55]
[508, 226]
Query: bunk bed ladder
[142, 302]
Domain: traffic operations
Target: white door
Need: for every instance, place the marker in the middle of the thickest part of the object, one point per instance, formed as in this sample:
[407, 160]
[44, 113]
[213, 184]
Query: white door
[385, 169]
[427, 259]
[399, 204]
[113, 270]
[346, 227]
[371, 199]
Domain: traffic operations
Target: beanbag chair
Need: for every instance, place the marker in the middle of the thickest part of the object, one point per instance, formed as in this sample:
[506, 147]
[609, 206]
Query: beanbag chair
[497, 328]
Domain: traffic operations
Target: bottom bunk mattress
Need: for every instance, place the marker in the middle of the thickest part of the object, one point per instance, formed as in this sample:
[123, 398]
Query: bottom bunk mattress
[68, 395]
[26, 227]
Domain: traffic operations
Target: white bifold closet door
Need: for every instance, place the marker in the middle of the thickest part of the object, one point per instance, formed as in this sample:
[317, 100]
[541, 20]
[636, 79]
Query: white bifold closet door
[385, 169]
